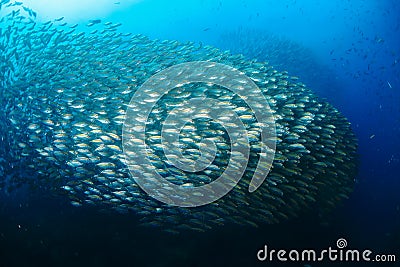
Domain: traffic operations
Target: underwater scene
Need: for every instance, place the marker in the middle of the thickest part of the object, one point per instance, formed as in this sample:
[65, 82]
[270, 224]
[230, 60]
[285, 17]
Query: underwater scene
[199, 133]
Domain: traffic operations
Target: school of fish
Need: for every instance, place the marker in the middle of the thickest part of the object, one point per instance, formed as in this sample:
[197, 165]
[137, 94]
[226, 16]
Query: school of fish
[64, 96]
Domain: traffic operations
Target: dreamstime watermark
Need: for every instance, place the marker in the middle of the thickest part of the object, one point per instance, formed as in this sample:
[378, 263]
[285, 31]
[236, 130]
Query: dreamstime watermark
[137, 153]
[338, 253]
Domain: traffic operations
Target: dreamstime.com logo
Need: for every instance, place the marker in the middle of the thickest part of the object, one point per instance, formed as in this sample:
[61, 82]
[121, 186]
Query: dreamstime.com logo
[137, 153]
[336, 254]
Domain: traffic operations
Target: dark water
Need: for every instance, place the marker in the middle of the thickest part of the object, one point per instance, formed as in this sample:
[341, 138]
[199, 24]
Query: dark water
[346, 51]
[48, 232]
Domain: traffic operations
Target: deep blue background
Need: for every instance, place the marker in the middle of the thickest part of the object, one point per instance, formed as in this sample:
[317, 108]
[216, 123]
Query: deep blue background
[353, 48]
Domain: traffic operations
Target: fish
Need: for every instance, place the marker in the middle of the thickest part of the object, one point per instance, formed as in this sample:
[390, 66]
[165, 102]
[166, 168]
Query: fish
[95, 21]
[64, 100]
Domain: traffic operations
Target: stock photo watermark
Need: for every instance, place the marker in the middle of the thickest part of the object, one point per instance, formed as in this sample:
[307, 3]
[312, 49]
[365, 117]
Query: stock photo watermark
[137, 153]
[340, 253]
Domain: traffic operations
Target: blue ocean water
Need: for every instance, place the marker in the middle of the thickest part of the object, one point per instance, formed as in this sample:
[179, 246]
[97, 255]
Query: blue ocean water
[348, 52]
